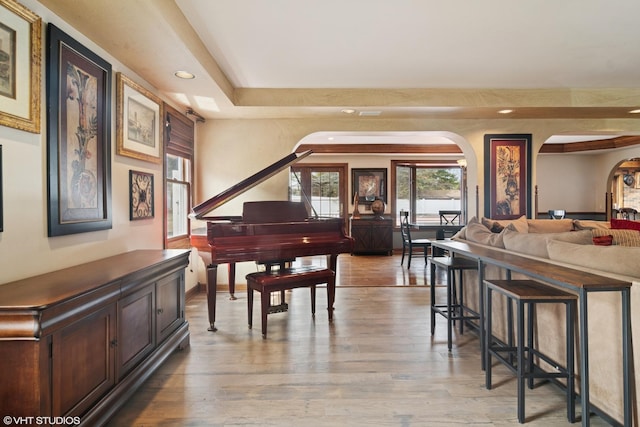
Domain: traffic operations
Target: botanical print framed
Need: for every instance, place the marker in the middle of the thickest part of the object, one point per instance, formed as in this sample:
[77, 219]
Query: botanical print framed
[369, 185]
[507, 178]
[140, 195]
[78, 136]
[138, 121]
[20, 67]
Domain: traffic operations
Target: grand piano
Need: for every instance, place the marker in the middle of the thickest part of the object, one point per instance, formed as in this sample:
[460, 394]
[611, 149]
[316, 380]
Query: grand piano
[267, 232]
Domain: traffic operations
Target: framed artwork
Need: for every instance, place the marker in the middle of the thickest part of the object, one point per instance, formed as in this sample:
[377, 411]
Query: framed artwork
[140, 195]
[20, 67]
[369, 185]
[507, 179]
[78, 137]
[138, 121]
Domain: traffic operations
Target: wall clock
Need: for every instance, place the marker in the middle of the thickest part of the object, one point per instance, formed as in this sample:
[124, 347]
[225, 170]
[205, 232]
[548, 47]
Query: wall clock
[140, 195]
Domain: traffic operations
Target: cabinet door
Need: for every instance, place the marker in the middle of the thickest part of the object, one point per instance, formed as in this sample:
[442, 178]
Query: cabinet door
[170, 304]
[83, 359]
[362, 236]
[136, 334]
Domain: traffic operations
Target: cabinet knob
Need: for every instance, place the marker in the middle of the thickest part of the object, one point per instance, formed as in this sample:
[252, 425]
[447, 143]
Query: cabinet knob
[160, 311]
[114, 343]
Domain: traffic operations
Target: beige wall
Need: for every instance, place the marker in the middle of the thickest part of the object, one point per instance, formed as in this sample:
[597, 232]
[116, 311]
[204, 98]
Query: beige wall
[25, 249]
[234, 149]
[230, 150]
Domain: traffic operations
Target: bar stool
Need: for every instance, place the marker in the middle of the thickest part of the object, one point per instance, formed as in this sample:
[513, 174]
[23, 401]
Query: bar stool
[529, 293]
[454, 309]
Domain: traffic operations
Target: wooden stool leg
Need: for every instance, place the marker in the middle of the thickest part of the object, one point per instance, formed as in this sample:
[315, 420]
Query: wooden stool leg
[571, 393]
[250, 305]
[488, 339]
[331, 296]
[450, 284]
[313, 300]
[433, 298]
[520, 357]
[265, 300]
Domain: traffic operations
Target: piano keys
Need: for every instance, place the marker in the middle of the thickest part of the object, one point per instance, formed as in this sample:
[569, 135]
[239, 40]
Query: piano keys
[269, 232]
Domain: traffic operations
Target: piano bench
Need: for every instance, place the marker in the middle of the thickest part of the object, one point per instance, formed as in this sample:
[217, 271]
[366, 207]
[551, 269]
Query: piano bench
[266, 282]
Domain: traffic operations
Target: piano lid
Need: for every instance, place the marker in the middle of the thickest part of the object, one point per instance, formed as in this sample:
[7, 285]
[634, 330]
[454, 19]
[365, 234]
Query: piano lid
[207, 206]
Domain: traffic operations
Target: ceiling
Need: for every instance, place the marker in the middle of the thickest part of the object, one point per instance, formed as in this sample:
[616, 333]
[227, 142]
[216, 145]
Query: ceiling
[392, 58]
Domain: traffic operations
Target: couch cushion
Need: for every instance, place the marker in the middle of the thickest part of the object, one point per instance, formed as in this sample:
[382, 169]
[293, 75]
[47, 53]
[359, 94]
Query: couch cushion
[520, 224]
[614, 259]
[589, 224]
[549, 225]
[536, 243]
[620, 237]
[478, 233]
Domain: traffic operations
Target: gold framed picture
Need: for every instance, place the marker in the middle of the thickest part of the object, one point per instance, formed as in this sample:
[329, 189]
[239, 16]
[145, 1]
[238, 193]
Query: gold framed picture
[20, 67]
[138, 121]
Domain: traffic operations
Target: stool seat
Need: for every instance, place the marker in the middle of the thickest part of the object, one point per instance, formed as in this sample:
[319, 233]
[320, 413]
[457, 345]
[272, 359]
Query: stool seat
[529, 293]
[283, 279]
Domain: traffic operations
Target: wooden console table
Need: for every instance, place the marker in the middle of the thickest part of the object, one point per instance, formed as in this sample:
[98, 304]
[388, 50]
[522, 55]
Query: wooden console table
[78, 342]
[580, 282]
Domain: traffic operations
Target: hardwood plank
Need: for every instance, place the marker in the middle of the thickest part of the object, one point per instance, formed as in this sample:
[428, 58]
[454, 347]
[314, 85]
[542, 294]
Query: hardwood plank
[376, 364]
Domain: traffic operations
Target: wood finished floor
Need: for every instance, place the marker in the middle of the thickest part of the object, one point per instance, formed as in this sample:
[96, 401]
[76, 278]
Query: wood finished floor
[375, 365]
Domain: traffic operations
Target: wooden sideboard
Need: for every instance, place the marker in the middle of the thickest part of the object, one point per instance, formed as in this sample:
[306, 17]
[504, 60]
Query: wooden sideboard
[78, 342]
[372, 235]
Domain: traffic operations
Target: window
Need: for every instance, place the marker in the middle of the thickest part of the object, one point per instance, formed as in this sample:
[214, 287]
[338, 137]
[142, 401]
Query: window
[425, 188]
[178, 195]
[179, 141]
[321, 185]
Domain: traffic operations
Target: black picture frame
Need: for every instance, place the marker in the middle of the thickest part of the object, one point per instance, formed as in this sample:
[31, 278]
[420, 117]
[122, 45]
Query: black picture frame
[369, 185]
[141, 195]
[507, 179]
[78, 137]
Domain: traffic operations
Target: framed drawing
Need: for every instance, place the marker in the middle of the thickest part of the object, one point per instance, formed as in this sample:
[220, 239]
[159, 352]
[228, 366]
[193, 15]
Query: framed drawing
[369, 185]
[507, 179]
[78, 137]
[140, 195]
[138, 121]
[20, 67]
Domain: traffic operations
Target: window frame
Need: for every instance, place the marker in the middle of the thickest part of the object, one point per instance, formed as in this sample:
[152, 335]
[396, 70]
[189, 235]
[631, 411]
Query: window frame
[414, 165]
[182, 130]
[341, 168]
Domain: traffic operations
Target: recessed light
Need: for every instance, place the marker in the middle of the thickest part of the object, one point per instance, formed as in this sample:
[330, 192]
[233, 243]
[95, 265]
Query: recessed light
[635, 111]
[348, 111]
[505, 111]
[184, 75]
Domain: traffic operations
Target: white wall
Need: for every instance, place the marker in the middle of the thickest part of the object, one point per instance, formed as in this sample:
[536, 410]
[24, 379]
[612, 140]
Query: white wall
[25, 249]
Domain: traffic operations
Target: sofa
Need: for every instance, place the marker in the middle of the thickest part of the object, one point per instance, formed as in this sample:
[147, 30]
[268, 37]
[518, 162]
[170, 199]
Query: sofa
[608, 248]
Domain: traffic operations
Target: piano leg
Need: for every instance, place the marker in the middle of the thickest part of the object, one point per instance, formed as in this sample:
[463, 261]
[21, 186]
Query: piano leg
[332, 262]
[232, 280]
[212, 282]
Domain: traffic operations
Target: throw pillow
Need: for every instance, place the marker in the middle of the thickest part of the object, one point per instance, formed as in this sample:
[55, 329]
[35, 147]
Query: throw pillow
[614, 259]
[589, 224]
[620, 237]
[603, 240]
[549, 225]
[520, 224]
[478, 233]
[624, 224]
